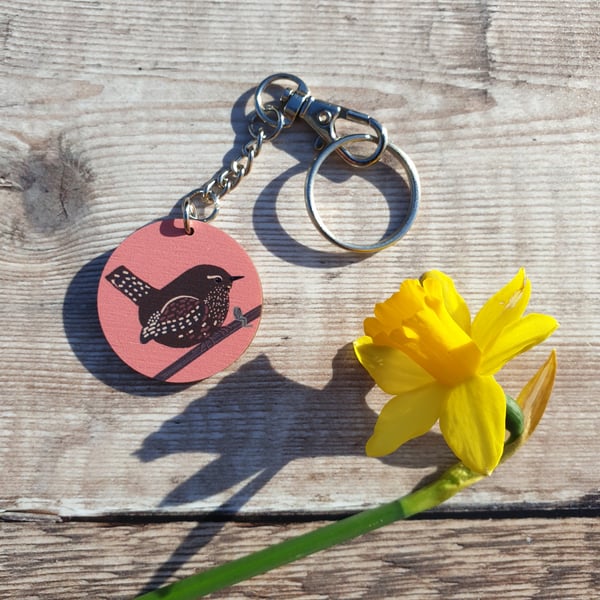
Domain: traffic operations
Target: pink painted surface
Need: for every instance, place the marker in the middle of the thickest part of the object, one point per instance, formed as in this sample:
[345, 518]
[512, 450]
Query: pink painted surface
[158, 253]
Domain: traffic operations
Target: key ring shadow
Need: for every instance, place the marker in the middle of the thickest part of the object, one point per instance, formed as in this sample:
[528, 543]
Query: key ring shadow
[279, 242]
[298, 142]
[255, 433]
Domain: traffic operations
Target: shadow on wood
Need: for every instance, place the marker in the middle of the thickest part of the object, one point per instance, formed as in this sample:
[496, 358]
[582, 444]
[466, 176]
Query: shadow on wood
[251, 420]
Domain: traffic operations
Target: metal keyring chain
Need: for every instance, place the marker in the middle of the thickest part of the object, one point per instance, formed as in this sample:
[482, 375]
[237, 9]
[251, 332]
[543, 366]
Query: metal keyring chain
[268, 121]
[413, 186]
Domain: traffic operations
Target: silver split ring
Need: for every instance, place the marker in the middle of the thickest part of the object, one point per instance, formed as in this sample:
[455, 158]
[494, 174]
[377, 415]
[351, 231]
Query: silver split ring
[414, 187]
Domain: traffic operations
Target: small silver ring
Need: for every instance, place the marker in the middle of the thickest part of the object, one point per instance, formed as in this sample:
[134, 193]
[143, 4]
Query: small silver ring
[263, 109]
[277, 125]
[413, 186]
[190, 211]
[188, 215]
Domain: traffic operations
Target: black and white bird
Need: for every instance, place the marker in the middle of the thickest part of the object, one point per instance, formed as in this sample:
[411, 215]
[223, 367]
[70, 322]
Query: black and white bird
[185, 311]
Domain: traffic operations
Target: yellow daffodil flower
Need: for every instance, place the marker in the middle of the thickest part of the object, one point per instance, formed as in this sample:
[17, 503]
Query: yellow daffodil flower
[422, 347]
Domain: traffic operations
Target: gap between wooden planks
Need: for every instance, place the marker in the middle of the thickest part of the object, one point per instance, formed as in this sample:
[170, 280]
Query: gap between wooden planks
[453, 558]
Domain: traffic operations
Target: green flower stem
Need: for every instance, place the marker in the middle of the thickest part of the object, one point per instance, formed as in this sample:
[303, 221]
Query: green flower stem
[449, 483]
[452, 481]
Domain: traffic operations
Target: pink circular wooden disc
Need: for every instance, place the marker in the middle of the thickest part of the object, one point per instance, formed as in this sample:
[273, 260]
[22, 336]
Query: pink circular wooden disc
[178, 307]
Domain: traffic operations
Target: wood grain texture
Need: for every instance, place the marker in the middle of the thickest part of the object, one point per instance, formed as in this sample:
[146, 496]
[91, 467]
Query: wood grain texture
[111, 111]
[527, 558]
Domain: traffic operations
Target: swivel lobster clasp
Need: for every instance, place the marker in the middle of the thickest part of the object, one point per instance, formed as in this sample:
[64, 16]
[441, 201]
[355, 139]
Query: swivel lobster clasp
[322, 117]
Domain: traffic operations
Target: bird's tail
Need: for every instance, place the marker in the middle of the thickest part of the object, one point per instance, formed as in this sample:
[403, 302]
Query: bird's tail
[129, 284]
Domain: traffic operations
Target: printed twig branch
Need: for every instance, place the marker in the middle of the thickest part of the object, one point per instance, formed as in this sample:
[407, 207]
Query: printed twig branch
[210, 342]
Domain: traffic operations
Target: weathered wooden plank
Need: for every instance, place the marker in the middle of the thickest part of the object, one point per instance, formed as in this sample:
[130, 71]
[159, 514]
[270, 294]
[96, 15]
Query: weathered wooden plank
[528, 558]
[111, 111]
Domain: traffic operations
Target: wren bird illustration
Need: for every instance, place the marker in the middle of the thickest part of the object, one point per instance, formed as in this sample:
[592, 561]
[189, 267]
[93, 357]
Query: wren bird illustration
[185, 311]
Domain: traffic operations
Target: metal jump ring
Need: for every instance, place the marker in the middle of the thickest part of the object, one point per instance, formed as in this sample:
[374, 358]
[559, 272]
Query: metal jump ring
[413, 185]
[276, 125]
[262, 109]
[188, 214]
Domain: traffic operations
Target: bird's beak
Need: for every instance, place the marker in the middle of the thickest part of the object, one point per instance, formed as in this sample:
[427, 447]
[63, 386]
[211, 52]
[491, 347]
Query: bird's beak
[235, 277]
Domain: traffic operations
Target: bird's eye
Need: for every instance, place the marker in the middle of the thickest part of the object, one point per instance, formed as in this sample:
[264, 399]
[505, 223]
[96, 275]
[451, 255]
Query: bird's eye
[216, 278]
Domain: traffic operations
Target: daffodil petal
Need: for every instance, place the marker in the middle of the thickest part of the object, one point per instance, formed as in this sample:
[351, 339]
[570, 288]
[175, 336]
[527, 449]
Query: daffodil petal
[391, 369]
[405, 417]
[454, 302]
[473, 423]
[362, 341]
[536, 393]
[516, 339]
[502, 309]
